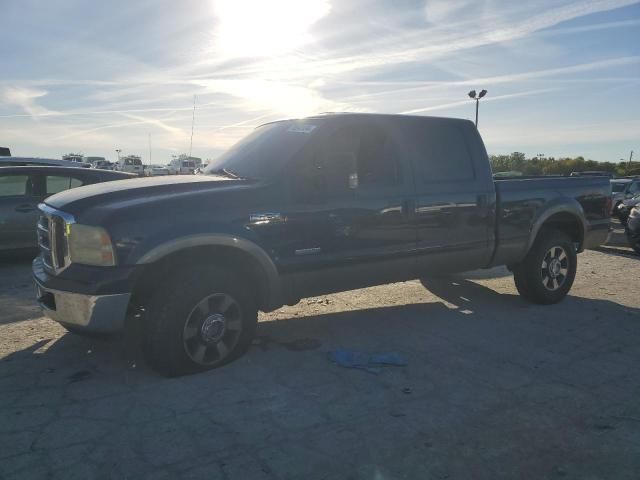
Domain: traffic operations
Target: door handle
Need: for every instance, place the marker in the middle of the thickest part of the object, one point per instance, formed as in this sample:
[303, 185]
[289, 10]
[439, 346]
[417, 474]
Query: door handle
[25, 208]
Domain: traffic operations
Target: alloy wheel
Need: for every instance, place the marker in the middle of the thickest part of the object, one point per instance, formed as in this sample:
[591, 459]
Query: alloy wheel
[555, 267]
[212, 329]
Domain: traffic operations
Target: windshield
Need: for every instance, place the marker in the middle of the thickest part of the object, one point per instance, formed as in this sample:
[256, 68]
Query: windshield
[618, 187]
[267, 149]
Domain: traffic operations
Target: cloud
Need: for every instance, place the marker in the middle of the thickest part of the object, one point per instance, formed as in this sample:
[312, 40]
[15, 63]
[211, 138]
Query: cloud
[157, 123]
[25, 98]
[486, 99]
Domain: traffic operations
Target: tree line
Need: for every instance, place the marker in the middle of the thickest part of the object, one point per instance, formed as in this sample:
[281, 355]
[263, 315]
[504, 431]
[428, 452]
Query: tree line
[517, 162]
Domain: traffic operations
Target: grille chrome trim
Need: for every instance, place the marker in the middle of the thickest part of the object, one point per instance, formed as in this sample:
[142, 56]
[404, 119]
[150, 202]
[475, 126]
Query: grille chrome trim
[52, 238]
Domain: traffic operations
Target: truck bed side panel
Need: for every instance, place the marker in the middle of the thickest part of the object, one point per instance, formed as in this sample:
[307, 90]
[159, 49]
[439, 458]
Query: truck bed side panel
[524, 205]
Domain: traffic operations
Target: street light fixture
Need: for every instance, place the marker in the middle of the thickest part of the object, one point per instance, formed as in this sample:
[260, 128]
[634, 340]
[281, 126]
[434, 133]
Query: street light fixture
[472, 94]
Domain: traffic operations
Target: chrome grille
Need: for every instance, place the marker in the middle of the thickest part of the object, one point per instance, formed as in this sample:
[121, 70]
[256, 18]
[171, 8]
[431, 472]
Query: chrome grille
[51, 238]
[44, 241]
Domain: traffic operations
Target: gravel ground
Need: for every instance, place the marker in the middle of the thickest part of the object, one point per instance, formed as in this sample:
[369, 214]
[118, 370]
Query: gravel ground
[494, 388]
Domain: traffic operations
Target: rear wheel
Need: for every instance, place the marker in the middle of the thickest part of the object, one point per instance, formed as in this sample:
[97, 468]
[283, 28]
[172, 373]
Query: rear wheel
[201, 320]
[547, 273]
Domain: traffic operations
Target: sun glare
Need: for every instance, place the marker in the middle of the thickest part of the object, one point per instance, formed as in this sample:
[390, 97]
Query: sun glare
[265, 28]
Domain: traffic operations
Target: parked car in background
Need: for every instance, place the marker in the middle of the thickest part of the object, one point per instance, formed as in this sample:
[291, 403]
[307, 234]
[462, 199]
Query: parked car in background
[632, 229]
[301, 208]
[75, 157]
[23, 188]
[155, 170]
[129, 164]
[624, 208]
[5, 152]
[23, 161]
[93, 160]
[623, 189]
[102, 165]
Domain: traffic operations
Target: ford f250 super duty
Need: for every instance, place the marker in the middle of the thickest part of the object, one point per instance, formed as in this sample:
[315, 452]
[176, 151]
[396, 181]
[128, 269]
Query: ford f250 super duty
[300, 208]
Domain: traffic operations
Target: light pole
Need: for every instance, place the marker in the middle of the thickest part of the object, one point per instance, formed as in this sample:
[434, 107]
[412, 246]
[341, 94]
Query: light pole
[477, 98]
[118, 152]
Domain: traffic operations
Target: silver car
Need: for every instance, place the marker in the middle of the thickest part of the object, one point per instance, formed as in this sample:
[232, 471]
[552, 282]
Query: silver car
[23, 188]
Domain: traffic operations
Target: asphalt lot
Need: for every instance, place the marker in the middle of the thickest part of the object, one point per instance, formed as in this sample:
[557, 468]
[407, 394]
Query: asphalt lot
[494, 388]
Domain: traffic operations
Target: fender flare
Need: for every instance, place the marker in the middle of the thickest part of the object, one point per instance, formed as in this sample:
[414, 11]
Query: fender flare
[272, 277]
[563, 205]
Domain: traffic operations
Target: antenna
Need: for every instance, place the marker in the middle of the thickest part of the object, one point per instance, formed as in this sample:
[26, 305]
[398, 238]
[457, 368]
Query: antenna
[193, 119]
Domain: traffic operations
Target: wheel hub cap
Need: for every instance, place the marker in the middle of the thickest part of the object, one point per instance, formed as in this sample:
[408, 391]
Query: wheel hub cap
[554, 267]
[213, 328]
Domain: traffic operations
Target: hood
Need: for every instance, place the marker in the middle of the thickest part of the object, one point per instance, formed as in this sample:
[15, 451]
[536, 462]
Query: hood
[137, 191]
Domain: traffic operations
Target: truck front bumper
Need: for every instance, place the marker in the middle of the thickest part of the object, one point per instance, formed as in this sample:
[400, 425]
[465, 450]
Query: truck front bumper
[92, 313]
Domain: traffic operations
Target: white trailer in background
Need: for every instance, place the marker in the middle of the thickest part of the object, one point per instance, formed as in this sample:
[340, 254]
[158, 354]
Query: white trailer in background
[129, 164]
[184, 165]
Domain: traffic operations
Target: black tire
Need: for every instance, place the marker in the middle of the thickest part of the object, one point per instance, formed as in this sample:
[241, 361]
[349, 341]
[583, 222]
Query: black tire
[546, 274]
[176, 318]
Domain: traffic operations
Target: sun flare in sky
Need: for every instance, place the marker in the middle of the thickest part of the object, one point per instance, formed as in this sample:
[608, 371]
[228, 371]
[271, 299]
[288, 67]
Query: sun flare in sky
[259, 28]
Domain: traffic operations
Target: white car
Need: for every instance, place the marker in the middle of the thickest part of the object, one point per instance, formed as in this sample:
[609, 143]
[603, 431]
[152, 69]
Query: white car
[155, 170]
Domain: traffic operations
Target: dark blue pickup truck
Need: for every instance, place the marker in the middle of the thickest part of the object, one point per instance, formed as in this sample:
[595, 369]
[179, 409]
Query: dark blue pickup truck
[296, 209]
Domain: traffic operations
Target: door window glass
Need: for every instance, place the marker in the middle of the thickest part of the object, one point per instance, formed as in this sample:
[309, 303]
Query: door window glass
[358, 157]
[12, 185]
[57, 183]
[441, 154]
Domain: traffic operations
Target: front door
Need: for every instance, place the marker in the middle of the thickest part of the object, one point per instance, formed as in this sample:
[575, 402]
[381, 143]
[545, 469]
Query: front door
[18, 211]
[349, 217]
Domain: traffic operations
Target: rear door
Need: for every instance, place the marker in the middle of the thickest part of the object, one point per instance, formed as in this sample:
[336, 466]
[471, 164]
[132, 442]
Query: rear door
[19, 200]
[454, 192]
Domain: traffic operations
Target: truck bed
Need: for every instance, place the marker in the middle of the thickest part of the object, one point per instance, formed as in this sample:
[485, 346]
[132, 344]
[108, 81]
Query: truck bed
[522, 204]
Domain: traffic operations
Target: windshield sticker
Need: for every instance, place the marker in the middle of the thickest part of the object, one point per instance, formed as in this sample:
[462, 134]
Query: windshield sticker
[301, 128]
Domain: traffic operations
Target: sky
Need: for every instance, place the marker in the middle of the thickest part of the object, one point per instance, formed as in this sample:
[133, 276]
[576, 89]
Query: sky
[563, 76]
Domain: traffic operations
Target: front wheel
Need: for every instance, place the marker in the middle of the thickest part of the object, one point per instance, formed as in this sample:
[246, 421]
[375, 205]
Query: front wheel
[547, 273]
[201, 320]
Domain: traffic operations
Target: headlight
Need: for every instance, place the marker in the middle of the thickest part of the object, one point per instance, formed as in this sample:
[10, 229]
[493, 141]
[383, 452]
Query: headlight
[90, 245]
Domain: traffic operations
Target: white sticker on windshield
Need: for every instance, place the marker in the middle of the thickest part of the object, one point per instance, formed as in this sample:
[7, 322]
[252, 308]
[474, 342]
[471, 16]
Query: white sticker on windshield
[301, 128]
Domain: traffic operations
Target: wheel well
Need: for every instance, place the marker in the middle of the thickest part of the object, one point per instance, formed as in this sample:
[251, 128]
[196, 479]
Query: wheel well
[155, 274]
[567, 223]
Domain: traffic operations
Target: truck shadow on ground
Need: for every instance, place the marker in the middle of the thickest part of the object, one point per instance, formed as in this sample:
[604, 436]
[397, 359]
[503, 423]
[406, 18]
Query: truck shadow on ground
[469, 313]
